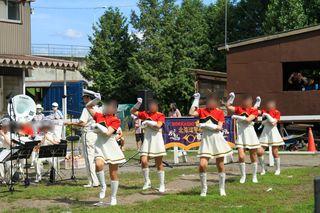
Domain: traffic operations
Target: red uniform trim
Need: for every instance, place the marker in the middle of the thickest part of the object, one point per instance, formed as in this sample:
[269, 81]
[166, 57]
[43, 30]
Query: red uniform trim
[107, 120]
[156, 116]
[246, 111]
[273, 113]
[216, 114]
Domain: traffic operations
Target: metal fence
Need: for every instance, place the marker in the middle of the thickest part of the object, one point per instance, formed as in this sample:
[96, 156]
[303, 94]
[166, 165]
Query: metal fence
[60, 50]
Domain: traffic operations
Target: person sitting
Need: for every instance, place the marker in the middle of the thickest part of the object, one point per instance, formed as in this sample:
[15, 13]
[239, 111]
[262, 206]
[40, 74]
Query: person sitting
[4, 144]
[297, 81]
[48, 138]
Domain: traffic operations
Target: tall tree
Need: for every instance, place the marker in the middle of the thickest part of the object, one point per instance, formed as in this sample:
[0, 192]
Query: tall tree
[284, 15]
[312, 10]
[107, 62]
[215, 16]
[154, 60]
[249, 15]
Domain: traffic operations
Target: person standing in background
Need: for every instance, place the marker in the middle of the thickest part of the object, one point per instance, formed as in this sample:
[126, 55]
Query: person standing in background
[174, 111]
[88, 137]
[138, 131]
[57, 117]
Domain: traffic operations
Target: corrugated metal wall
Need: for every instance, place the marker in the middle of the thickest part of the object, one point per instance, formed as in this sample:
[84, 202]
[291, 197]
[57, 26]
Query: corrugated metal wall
[15, 38]
[74, 101]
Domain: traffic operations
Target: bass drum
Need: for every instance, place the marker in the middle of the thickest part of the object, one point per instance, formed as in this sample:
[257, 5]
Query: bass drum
[23, 108]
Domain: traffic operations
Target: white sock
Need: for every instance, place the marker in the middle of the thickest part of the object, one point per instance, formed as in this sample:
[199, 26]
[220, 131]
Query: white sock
[242, 169]
[261, 161]
[254, 168]
[222, 180]
[114, 188]
[277, 163]
[203, 181]
[161, 177]
[102, 179]
[146, 177]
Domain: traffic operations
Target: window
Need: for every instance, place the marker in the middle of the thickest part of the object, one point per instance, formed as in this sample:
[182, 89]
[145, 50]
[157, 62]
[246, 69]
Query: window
[10, 10]
[13, 10]
[301, 76]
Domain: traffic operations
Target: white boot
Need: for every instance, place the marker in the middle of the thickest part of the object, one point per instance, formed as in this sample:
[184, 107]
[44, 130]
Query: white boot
[114, 190]
[261, 162]
[162, 187]
[242, 172]
[102, 180]
[147, 182]
[254, 172]
[222, 181]
[277, 163]
[203, 181]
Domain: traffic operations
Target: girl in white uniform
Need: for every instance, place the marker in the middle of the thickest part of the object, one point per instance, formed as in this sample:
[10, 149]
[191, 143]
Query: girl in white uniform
[270, 135]
[246, 137]
[213, 144]
[153, 144]
[107, 151]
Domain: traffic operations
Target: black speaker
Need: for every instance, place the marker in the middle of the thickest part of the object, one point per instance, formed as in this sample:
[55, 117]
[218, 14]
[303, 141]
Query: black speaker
[147, 96]
[317, 194]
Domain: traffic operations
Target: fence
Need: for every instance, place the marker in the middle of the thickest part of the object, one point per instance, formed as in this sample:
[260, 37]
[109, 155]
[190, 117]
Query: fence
[60, 50]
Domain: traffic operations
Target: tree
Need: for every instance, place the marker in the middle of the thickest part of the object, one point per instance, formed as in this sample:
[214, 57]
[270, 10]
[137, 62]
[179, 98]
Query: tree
[107, 61]
[284, 15]
[249, 15]
[312, 10]
[215, 16]
[154, 60]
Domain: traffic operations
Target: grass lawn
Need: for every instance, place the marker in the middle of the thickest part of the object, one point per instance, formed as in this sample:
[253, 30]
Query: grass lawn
[291, 192]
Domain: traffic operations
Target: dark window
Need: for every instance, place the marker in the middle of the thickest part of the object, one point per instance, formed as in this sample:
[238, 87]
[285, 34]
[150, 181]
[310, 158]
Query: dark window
[10, 10]
[301, 76]
[13, 10]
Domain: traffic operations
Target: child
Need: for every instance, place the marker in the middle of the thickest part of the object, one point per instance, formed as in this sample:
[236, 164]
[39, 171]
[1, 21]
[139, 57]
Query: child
[213, 144]
[107, 150]
[270, 135]
[246, 135]
[153, 144]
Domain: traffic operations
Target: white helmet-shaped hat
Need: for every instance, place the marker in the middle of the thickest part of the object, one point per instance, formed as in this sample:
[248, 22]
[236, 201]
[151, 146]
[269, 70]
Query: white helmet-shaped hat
[38, 106]
[55, 104]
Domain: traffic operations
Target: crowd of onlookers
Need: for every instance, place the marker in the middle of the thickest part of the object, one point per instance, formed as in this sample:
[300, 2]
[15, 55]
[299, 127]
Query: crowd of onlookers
[298, 82]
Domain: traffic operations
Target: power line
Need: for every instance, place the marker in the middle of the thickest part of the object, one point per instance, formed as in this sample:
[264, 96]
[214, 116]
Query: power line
[83, 8]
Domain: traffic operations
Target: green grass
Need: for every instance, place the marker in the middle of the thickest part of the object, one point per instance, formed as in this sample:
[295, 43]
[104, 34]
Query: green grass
[292, 192]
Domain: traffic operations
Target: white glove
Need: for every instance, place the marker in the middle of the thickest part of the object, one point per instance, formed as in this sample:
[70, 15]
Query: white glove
[196, 100]
[93, 102]
[238, 117]
[208, 126]
[138, 104]
[269, 117]
[258, 102]
[232, 96]
[150, 123]
[98, 128]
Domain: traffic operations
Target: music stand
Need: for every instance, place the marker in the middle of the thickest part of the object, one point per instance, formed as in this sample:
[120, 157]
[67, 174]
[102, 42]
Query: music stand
[72, 139]
[24, 152]
[52, 151]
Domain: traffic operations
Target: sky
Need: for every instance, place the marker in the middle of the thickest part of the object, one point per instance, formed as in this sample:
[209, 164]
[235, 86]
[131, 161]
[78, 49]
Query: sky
[72, 26]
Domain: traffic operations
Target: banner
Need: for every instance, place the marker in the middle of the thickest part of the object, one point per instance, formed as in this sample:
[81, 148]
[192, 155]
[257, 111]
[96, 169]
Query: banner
[184, 133]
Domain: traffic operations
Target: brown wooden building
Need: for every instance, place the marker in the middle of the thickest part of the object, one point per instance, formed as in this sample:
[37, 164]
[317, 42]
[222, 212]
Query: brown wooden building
[263, 66]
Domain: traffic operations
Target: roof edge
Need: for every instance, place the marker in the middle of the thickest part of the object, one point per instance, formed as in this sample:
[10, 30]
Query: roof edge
[269, 37]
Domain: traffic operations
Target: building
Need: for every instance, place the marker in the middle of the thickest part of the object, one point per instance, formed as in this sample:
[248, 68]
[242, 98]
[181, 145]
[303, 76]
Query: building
[284, 67]
[16, 61]
[210, 81]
